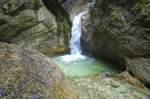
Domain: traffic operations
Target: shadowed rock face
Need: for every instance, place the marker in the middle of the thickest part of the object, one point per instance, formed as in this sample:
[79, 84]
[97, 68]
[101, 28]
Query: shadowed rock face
[27, 74]
[38, 24]
[74, 7]
[119, 31]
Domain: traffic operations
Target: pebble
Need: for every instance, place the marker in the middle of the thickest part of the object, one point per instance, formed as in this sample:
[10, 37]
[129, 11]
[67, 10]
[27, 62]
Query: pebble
[2, 92]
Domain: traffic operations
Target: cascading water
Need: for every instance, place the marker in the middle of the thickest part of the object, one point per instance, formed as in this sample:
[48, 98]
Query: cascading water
[75, 64]
[75, 47]
[76, 34]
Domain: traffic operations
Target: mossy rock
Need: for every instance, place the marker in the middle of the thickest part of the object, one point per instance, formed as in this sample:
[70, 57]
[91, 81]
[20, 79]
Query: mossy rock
[120, 34]
[26, 74]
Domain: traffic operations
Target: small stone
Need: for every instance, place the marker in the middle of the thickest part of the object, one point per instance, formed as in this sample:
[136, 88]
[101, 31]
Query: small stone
[2, 92]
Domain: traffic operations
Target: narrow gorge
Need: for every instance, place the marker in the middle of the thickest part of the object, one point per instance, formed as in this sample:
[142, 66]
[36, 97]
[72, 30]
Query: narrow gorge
[74, 49]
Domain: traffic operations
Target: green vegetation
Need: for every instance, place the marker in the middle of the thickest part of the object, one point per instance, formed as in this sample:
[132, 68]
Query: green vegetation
[142, 7]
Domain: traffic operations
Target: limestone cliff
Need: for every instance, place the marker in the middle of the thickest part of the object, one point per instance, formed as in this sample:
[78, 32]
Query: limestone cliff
[40, 24]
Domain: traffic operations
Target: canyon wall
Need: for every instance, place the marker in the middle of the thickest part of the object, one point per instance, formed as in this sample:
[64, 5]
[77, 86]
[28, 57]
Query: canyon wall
[39, 24]
[119, 32]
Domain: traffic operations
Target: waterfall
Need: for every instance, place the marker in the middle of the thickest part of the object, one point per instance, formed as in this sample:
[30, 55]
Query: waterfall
[75, 45]
[76, 34]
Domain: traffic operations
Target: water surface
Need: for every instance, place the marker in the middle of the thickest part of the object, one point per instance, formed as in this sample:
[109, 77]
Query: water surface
[86, 67]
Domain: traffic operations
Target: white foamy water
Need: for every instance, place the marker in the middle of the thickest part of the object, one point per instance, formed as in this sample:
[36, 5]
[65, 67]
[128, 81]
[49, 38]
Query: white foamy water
[75, 45]
[72, 58]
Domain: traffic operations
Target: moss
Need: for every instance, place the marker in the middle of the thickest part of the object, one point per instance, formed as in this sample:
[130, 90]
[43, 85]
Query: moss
[116, 14]
[11, 80]
[64, 30]
[110, 48]
[36, 4]
[106, 44]
[141, 7]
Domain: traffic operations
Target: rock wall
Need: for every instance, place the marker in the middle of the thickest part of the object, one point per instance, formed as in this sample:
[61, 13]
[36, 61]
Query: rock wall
[74, 7]
[38, 24]
[119, 31]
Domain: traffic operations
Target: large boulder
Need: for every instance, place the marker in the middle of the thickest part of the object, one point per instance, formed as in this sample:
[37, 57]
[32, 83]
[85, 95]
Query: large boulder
[40, 24]
[119, 31]
[140, 68]
[28, 74]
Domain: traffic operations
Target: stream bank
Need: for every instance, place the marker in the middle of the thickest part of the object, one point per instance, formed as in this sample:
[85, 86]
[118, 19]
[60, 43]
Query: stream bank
[94, 79]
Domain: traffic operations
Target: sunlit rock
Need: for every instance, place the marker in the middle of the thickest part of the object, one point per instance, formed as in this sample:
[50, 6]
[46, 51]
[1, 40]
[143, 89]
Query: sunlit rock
[28, 74]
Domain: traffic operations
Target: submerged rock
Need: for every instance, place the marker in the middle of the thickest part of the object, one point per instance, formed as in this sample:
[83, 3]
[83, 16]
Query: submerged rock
[107, 88]
[28, 74]
[127, 77]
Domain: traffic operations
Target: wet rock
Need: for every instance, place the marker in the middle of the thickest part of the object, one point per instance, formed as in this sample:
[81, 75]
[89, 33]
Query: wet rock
[118, 32]
[127, 77]
[95, 45]
[108, 88]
